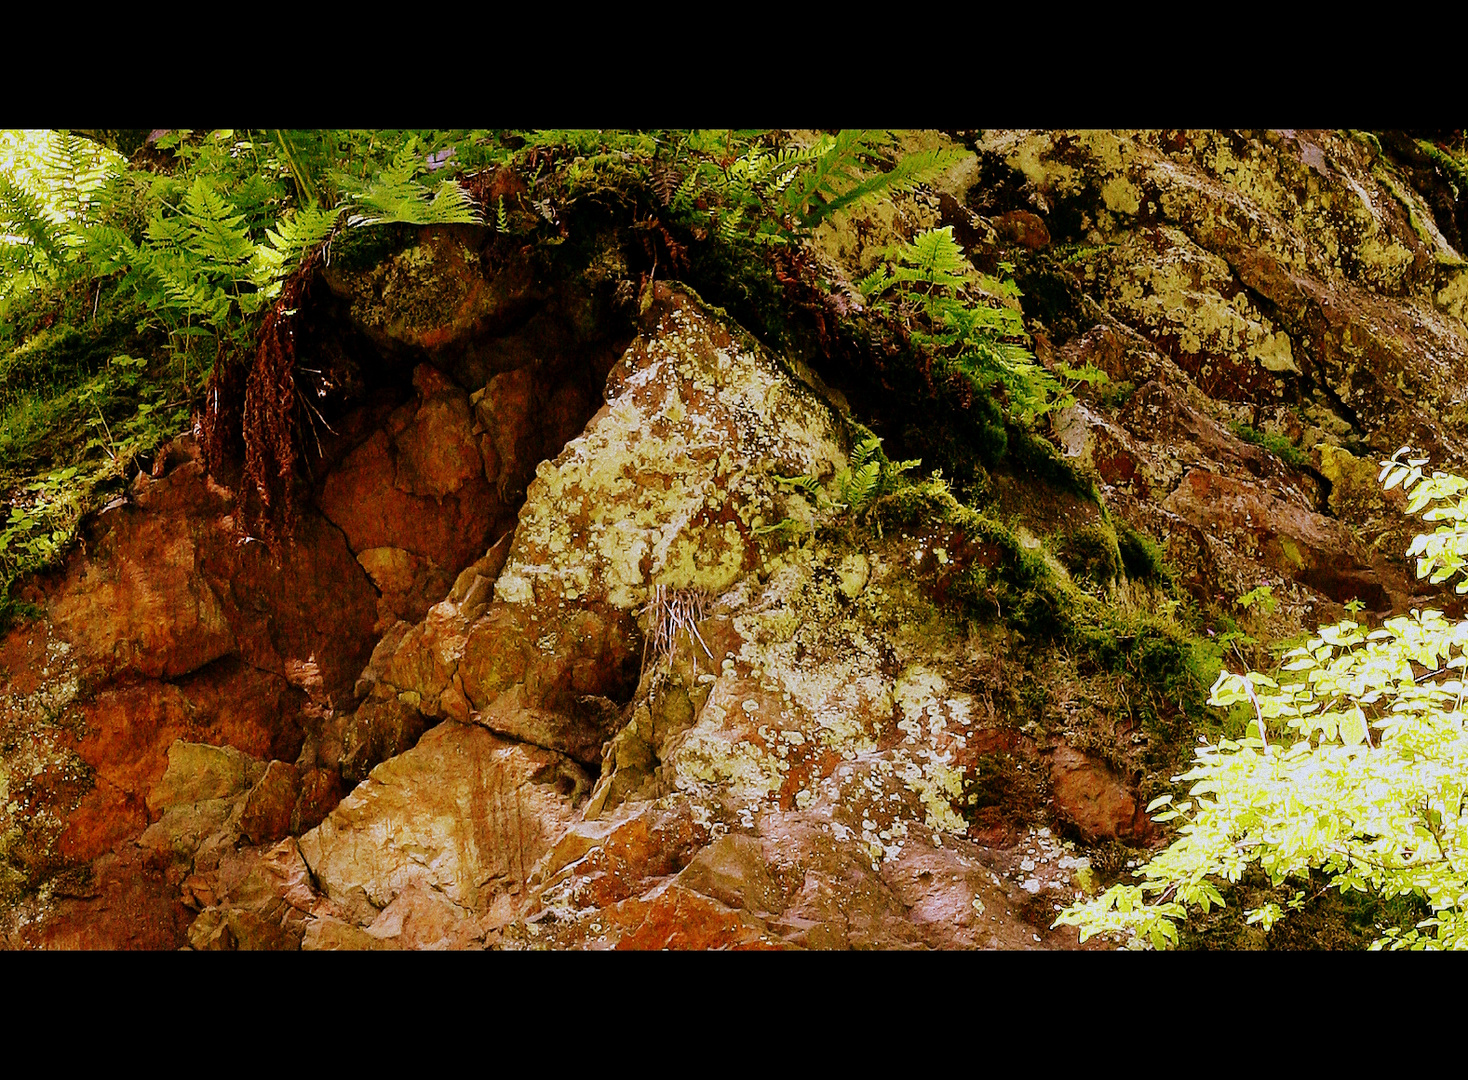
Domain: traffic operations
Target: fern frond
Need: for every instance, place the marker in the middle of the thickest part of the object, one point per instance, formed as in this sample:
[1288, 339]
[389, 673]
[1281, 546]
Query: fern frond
[936, 258]
[875, 283]
[394, 195]
[184, 288]
[912, 170]
[808, 484]
[729, 224]
[298, 233]
[865, 451]
[218, 232]
[832, 173]
[683, 197]
[25, 223]
[74, 169]
[858, 486]
[1086, 373]
[104, 249]
[1015, 356]
[394, 198]
[168, 232]
[451, 205]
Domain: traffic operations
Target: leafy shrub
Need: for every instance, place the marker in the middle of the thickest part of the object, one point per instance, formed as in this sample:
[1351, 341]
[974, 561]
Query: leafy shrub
[1356, 767]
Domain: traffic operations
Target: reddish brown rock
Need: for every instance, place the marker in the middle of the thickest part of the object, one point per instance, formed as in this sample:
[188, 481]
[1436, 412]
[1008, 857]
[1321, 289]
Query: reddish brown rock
[257, 712]
[199, 771]
[1290, 540]
[518, 686]
[306, 613]
[362, 499]
[167, 587]
[123, 906]
[672, 917]
[463, 812]
[148, 609]
[1092, 798]
[415, 500]
[321, 790]
[269, 807]
[1021, 227]
[166, 628]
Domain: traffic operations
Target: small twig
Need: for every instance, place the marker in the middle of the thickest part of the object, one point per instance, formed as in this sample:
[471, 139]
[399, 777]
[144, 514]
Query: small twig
[1258, 713]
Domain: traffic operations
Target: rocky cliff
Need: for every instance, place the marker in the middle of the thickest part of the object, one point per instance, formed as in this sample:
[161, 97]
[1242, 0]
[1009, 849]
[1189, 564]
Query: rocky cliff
[577, 643]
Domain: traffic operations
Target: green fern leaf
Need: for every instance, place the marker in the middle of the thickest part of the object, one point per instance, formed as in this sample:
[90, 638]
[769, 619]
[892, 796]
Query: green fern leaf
[858, 486]
[24, 222]
[875, 283]
[912, 170]
[936, 258]
[394, 196]
[833, 172]
[808, 484]
[684, 195]
[74, 169]
[865, 451]
[217, 231]
[298, 233]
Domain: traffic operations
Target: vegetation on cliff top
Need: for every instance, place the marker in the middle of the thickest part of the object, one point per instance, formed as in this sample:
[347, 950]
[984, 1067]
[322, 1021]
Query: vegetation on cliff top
[136, 295]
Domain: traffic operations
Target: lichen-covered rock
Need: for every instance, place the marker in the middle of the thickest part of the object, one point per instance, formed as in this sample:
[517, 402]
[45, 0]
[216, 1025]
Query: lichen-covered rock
[672, 477]
[1251, 296]
[669, 485]
[816, 714]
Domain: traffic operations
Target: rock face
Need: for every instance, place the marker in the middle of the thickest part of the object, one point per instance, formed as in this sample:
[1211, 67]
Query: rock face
[415, 500]
[173, 628]
[791, 771]
[169, 628]
[1276, 311]
[559, 658]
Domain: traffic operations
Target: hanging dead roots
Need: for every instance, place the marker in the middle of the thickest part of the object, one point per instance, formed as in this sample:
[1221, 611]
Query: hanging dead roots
[671, 612]
[269, 420]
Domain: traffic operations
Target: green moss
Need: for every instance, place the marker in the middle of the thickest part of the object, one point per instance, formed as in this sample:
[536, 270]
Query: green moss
[1142, 558]
[1037, 460]
[55, 360]
[1277, 445]
[1091, 553]
[1005, 579]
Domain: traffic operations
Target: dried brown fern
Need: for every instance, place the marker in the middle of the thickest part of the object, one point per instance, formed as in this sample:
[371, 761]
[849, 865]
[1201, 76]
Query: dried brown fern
[253, 405]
